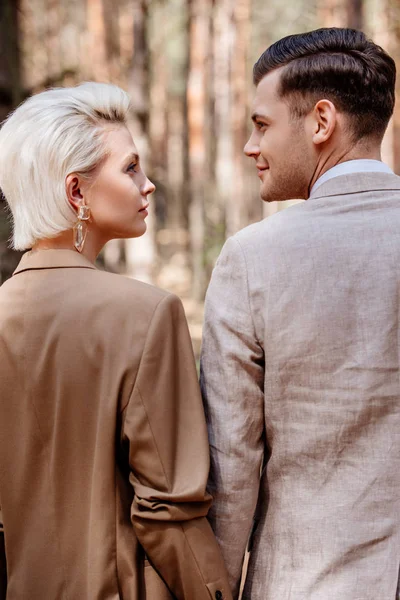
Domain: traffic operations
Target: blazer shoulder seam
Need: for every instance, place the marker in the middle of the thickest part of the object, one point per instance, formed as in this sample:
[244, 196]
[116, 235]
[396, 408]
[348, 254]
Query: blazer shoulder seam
[161, 300]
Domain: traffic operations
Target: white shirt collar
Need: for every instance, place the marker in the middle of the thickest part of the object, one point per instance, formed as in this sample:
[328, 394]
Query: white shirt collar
[363, 165]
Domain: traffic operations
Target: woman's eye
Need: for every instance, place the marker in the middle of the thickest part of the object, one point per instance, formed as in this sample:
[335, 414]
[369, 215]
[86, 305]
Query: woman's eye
[132, 167]
[260, 126]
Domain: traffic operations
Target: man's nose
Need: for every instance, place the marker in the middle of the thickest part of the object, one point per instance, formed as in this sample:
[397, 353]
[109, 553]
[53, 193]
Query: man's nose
[251, 148]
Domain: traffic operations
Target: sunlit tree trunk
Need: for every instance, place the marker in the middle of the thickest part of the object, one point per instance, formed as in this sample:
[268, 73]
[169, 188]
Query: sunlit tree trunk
[140, 253]
[95, 58]
[393, 11]
[199, 41]
[380, 28]
[72, 42]
[238, 213]
[332, 13]
[158, 97]
[33, 44]
[223, 43]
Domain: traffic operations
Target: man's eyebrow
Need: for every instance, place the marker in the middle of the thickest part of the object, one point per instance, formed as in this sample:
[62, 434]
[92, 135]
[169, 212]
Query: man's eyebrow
[256, 116]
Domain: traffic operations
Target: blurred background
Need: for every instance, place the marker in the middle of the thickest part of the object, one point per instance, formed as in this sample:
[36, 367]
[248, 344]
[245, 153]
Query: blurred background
[187, 65]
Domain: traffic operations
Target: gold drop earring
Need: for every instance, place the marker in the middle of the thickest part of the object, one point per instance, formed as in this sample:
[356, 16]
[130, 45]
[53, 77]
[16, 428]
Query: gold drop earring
[81, 227]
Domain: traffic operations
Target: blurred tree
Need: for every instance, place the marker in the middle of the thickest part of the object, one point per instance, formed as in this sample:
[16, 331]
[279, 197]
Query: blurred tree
[355, 14]
[380, 28]
[198, 133]
[392, 10]
[141, 252]
[333, 13]
[11, 94]
[237, 215]
[187, 66]
[224, 197]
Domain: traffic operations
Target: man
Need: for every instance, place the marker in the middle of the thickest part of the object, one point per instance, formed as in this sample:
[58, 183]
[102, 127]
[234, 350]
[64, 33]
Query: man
[300, 358]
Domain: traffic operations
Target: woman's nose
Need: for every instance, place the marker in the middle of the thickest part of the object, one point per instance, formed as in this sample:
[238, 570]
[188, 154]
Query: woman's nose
[148, 187]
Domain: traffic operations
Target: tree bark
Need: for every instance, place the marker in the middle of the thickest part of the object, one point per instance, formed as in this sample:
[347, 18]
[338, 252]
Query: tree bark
[332, 13]
[197, 99]
[11, 93]
[141, 252]
[355, 14]
[238, 213]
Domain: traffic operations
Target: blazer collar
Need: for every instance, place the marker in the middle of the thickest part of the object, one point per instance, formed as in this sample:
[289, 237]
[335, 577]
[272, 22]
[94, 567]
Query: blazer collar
[52, 259]
[355, 183]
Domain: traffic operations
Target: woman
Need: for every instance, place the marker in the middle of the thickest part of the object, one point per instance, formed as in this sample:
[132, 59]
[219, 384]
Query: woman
[103, 445]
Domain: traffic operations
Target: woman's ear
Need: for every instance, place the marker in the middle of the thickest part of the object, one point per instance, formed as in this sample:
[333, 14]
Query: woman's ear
[324, 117]
[73, 184]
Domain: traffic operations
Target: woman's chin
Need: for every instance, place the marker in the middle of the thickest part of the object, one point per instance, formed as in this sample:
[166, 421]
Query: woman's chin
[128, 234]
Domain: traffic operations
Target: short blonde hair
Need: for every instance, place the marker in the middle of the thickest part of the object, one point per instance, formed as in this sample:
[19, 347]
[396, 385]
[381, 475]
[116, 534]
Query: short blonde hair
[50, 135]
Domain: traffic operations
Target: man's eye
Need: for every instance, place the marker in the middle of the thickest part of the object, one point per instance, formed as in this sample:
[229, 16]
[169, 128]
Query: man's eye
[260, 126]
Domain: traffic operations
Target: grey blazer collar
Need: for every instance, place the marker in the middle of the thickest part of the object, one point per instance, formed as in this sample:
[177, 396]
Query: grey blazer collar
[356, 183]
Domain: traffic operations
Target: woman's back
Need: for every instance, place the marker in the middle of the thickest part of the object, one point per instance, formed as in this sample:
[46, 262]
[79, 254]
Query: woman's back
[71, 342]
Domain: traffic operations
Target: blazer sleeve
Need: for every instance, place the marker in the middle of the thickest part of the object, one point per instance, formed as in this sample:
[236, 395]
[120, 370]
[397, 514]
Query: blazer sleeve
[3, 564]
[165, 428]
[232, 381]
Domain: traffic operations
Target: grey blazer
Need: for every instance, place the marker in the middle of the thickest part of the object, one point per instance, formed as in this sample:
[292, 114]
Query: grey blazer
[300, 379]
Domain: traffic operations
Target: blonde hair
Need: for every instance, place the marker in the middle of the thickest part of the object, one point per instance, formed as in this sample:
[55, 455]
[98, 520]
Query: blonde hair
[50, 135]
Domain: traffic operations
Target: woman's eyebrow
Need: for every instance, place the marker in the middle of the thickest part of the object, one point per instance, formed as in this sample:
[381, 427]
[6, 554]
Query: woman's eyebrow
[132, 157]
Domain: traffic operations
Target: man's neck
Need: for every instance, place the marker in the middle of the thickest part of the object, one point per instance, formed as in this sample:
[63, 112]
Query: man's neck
[331, 158]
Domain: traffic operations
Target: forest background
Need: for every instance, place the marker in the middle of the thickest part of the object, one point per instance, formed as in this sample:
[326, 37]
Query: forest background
[187, 65]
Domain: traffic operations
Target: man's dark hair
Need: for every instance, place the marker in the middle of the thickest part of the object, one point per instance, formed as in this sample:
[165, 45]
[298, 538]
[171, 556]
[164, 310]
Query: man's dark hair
[341, 65]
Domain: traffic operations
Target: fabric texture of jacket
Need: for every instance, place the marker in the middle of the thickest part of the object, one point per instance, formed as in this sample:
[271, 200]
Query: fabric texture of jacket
[300, 377]
[103, 443]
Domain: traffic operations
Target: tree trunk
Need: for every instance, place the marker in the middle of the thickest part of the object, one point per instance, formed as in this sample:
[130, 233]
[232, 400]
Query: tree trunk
[355, 14]
[393, 12]
[10, 95]
[141, 253]
[379, 25]
[223, 44]
[10, 70]
[238, 213]
[199, 43]
[332, 13]
[95, 61]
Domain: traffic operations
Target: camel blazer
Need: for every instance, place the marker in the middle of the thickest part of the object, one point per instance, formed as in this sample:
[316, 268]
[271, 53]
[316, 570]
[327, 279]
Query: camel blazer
[103, 443]
[303, 315]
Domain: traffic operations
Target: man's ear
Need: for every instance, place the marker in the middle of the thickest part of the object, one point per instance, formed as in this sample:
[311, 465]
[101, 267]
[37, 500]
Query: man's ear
[324, 121]
[73, 185]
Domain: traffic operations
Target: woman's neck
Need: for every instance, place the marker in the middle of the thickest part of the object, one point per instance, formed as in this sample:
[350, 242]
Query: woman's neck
[64, 241]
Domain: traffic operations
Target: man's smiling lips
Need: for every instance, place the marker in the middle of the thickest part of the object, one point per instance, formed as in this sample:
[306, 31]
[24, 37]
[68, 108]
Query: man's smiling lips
[261, 169]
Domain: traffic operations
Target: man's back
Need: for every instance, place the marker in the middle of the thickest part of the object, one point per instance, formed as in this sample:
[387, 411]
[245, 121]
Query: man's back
[313, 318]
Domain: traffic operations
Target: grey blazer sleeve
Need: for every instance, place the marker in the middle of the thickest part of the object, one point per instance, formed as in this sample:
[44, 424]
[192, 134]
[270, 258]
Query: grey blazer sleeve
[232, 375]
